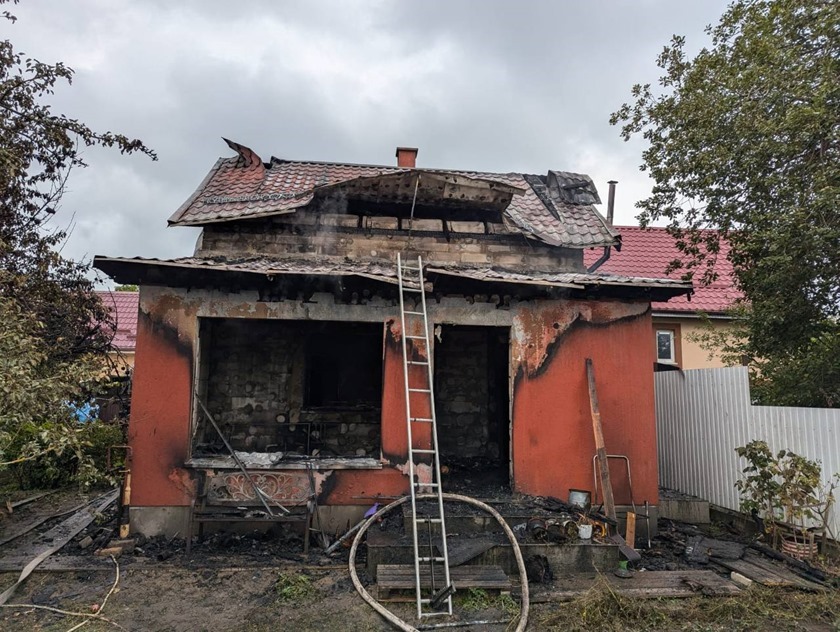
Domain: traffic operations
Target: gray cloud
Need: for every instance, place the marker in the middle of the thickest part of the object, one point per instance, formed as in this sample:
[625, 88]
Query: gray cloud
[492, 85]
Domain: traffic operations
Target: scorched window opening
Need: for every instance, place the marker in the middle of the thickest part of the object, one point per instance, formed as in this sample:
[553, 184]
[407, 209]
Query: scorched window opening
[296, 388]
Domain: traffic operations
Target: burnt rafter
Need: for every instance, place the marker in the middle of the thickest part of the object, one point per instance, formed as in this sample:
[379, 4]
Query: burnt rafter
[433, 194]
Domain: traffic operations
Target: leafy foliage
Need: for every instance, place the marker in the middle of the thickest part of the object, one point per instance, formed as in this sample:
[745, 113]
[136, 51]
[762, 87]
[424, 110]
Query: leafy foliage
[782, 487]
[39, 436]
[55, 332]
[745, 138]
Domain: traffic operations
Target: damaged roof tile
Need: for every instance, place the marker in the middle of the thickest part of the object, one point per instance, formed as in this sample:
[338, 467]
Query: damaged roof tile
[555, 209]
[386, 273]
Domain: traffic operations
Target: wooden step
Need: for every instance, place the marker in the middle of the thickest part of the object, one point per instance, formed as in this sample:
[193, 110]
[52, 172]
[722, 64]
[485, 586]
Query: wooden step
[401, 577]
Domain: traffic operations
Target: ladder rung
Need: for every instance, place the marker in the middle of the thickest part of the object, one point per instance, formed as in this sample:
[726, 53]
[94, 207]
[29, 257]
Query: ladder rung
[413, 313]
[425, 484]
[422, 451]
[419, 390]
[418, 363]
[431, 520]
[434, 613]
[416, 337]
[423, 419]
[411, 289]
[431, 559]
[410, 267]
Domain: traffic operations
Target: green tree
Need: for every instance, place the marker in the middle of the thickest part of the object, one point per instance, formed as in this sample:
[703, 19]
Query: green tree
[53, 323]
[745, 139]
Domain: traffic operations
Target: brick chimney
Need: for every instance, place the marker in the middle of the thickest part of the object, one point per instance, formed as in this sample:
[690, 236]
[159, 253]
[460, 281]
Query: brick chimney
[406, 157]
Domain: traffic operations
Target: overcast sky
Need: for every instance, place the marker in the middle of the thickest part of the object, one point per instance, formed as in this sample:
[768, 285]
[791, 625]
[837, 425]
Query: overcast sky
[488, 85]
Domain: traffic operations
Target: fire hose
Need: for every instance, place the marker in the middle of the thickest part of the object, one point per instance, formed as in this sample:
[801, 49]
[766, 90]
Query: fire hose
[391, 617]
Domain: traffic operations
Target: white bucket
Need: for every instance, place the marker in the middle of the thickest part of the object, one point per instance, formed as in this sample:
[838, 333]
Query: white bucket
[585, 531]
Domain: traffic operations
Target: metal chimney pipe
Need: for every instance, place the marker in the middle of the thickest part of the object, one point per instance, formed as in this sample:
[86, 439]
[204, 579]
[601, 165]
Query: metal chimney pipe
[610, 217]
[611, 202]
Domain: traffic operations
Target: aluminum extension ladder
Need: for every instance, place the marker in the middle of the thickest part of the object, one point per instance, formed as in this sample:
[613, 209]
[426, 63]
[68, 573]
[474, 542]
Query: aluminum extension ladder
[428, 605]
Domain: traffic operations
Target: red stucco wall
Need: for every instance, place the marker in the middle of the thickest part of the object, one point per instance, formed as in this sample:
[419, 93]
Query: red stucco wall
[553, 440]
[552, 431]
[160, 414]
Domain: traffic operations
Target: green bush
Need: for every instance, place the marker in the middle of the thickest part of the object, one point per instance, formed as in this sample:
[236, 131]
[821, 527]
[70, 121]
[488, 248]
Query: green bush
[82, 458]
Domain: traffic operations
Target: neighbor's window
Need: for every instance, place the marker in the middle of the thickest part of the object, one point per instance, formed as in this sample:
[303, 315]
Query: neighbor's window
[665, 349]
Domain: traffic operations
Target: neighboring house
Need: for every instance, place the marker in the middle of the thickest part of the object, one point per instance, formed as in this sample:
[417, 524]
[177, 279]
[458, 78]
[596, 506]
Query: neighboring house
[648, 252]
[285, 324]
[114, 403]
[124, 307]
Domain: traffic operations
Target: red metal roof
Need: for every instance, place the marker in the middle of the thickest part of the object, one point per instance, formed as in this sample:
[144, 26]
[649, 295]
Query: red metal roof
[124, 306]
[647, 252]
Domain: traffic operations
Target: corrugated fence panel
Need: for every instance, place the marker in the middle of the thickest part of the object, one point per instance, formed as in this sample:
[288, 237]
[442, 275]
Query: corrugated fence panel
[702, 415]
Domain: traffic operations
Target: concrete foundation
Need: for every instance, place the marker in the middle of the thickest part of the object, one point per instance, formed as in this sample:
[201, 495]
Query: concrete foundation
[389, 548]
[152, 521]
[684, 508]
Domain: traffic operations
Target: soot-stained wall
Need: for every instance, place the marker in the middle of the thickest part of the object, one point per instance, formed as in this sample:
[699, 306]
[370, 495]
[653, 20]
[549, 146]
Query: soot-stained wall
[294, 387]
[553, 442]
[471, 384]
[552, 429]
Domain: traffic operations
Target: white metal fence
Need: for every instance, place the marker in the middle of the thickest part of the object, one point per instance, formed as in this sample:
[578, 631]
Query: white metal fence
[702, 415]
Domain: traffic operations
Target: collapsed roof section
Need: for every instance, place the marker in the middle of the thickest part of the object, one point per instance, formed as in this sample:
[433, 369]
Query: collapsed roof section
[194, 271]
[555, 209]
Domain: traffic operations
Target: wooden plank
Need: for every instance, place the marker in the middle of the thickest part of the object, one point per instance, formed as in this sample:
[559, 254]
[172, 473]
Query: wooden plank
[603, 462]
[631, 555]
[782, 571]
[401, 577]
[630, 532]
[36, 523]
[756, 573]
[26, 501]
[463, 550]
[58, 536]
[646, 585]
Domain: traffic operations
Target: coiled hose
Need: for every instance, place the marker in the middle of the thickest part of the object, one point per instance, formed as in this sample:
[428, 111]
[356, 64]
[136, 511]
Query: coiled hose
[391, 617]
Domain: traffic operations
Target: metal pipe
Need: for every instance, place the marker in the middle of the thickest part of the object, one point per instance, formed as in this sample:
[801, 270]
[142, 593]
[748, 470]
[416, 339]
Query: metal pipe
[610, 217]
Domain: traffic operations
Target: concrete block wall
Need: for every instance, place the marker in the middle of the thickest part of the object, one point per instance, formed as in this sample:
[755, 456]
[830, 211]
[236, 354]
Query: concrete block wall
[462, 398]
[366, 238]
[255, 386]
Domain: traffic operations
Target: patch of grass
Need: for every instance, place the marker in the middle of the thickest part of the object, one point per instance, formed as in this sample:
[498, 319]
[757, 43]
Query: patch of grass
[478, 599]
[759, 607]
[294, 588]
[475, 599]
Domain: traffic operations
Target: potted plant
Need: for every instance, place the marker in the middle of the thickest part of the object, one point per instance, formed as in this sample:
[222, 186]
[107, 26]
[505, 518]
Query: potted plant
[784, 490]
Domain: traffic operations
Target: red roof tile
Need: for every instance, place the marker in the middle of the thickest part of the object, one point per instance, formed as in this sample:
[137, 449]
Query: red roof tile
[648, 251]
[232, 191]
[124, 306]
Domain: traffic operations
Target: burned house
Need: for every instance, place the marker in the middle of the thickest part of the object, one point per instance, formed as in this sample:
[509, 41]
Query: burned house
[283, 327]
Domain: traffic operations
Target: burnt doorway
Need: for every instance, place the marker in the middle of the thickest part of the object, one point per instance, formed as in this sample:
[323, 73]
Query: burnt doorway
[472, 406]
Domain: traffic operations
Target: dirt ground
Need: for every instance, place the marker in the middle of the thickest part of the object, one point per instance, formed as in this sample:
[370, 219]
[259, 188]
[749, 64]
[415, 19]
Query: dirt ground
[255, 582]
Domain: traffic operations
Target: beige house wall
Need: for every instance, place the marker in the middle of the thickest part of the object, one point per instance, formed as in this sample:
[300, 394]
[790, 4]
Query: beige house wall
[690, 354]
[123, 361]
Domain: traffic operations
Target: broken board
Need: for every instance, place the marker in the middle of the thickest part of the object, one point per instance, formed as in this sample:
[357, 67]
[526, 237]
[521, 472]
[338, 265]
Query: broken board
[61, 534]
[390, 577]
[642, 585]
[463, 550]
[767, 572]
